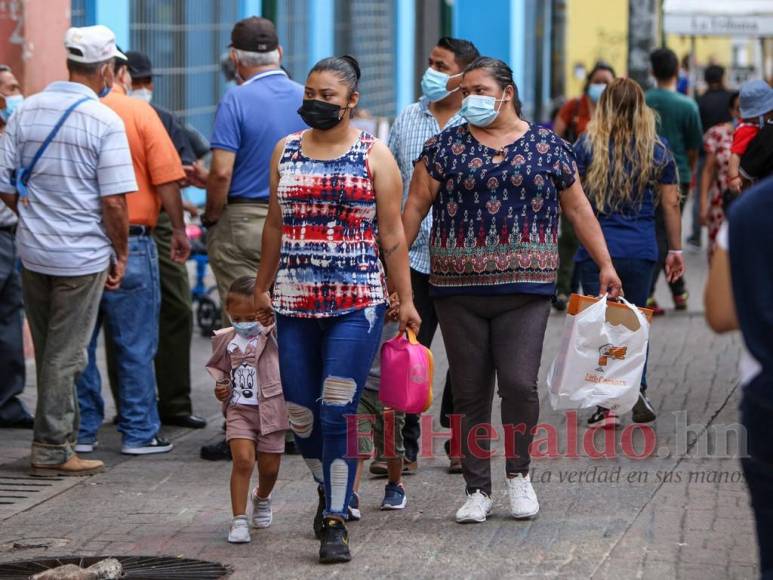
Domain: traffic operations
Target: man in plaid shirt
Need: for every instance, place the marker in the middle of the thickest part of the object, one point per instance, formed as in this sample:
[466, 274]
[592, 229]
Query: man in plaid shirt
[436, 110]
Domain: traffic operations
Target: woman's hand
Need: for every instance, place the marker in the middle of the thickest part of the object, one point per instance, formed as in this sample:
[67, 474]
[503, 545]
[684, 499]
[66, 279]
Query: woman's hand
[674, 266]
[393, 312]
[264, 308]
[609, 282]
[409, 317]
[222, 391]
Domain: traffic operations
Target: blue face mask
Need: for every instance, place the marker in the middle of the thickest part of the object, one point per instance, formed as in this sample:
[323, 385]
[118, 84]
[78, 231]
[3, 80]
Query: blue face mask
[11, 104]
[480, 110]
[247, 329]
[434, 84]
[595, 90]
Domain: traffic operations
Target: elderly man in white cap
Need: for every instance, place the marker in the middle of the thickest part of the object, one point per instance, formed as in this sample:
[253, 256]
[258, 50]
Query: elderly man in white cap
[65, 167]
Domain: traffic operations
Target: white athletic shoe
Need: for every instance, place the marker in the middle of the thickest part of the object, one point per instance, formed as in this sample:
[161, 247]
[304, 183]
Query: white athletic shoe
[523, 500]
[261, 511]
[86, 447]
[475, 509]
[240, 531]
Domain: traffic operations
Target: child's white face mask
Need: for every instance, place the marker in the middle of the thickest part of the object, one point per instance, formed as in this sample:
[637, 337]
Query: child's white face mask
[248, 329]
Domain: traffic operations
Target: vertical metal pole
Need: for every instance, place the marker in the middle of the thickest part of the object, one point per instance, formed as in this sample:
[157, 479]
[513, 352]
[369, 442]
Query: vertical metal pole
[558, 49]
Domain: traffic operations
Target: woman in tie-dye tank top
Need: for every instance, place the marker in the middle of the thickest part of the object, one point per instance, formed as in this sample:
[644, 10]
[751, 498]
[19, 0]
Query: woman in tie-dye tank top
[334, 215]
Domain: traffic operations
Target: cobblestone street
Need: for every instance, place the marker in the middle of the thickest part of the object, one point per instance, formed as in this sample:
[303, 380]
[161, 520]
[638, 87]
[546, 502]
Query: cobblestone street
[681, 513]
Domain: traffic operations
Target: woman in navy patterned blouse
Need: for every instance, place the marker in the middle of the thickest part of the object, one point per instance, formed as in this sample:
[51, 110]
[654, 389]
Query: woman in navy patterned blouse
[495, 186]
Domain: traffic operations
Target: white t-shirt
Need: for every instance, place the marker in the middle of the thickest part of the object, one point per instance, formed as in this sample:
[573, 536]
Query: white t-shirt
[748, 367]
[244, 378]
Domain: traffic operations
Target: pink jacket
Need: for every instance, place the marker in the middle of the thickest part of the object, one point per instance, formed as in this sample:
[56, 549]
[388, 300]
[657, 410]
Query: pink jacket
[271, 402]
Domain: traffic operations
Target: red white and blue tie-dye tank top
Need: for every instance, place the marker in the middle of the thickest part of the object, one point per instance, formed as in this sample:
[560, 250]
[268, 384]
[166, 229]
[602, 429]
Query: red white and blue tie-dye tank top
[329, 258]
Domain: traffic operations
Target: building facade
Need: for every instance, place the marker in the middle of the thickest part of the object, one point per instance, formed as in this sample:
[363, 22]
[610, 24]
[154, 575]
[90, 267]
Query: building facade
[186, 40]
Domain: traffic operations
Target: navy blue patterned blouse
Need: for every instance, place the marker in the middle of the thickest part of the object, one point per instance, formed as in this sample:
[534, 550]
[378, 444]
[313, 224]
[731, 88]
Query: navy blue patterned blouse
[495, 225]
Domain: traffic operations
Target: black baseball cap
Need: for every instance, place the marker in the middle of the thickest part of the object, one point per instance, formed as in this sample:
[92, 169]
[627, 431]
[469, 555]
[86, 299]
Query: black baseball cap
[139, 65]
[254, 34]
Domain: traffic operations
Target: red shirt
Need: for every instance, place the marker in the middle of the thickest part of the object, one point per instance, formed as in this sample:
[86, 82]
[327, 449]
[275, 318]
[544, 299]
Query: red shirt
[576, 114]
[743, 135]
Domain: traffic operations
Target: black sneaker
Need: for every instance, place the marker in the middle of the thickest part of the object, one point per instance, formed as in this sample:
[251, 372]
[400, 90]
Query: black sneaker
[643, 411]
[219, 451]
[334, 546]
[156, 445]
[603, 418]
[319, 524]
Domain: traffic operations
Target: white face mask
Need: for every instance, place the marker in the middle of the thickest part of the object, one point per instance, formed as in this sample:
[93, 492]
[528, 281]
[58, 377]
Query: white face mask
[142, 94]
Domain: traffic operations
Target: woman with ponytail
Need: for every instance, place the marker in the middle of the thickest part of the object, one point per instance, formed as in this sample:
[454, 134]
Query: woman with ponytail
[334, 215]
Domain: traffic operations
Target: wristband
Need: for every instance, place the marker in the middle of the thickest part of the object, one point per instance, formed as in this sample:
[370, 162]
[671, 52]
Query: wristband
[680, 252]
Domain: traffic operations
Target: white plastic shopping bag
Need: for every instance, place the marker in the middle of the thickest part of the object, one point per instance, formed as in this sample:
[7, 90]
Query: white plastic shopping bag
[598, 362]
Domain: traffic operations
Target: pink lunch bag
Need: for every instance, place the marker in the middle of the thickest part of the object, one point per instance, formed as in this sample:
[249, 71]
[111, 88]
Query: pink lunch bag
[407, 369]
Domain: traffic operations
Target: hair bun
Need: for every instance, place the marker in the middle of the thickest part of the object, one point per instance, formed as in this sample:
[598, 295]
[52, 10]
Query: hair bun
[353, 62]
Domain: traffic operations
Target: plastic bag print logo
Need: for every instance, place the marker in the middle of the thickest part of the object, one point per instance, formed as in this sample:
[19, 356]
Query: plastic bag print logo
[609, 351]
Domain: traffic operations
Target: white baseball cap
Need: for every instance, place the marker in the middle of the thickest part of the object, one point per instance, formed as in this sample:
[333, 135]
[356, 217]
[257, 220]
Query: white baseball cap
[91, 44]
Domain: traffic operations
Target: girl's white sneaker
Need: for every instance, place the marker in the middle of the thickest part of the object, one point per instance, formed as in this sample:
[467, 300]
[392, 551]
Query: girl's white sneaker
[262, 515]
[240, 531]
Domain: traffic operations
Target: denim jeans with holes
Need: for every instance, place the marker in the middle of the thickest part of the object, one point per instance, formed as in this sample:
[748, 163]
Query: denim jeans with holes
[324, 363]
[131, 314]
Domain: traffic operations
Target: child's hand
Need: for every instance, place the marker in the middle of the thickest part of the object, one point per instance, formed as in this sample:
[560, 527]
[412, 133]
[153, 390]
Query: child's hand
[734, 184]
[393, 312]
[221, 391]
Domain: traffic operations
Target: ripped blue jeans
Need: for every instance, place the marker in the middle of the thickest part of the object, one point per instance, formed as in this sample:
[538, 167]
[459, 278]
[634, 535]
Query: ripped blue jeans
[324, 363]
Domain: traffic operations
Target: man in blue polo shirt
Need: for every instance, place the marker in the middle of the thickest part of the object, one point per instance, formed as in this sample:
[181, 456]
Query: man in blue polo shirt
[250, 119]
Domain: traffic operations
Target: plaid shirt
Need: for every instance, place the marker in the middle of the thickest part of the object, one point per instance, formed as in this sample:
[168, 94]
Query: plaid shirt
[411, 129]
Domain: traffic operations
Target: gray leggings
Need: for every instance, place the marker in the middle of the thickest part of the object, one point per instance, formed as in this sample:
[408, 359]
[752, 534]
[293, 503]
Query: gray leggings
[488, 337]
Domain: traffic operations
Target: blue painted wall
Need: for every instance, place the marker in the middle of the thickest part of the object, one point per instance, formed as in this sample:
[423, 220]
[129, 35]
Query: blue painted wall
[115, 15]
[486, 23]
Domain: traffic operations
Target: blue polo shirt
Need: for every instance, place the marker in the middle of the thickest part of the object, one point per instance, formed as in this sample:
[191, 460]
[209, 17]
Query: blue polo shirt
[250, 119]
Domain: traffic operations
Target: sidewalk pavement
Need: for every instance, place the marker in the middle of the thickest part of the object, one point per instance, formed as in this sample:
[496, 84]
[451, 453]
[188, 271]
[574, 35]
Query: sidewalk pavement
[681, 513]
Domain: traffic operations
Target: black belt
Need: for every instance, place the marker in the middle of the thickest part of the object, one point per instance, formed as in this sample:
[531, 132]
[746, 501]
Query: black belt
[246, 200]
[139, 230]
[9, 229]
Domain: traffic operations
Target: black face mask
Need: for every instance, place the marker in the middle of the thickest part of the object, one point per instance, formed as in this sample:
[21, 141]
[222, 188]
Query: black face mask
[319, 114]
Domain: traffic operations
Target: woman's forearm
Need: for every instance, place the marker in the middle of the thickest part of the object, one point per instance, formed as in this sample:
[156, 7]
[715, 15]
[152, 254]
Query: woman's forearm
[707, 178]
[412, 218]
[589, 233]
[395, 252]
[269, 256]
[672, 215]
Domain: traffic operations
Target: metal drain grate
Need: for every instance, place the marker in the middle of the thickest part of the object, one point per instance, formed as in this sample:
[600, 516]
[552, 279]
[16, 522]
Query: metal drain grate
[134, 567]
[15, 488]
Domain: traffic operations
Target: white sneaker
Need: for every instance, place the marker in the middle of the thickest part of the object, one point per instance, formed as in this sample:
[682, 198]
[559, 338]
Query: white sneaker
[86, 447]
[240, 531]
[261, 511]
[475, 508]
[523, 500]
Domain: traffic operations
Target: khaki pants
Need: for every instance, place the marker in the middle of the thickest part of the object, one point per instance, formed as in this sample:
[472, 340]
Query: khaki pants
[62, 312]
[233, 244]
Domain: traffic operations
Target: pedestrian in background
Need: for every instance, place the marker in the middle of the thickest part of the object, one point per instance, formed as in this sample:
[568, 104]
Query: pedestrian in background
[571, 123]
[72, 235]
[134, 338]
[714, 181]
[495, 185]
[335, 208]
[679, 124]
[13, 413]
[175, 324]
[627, 171]
[437, 109]
[250, 119]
